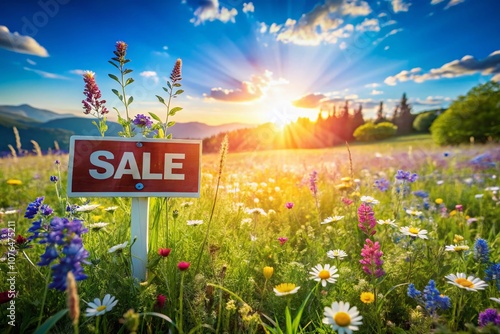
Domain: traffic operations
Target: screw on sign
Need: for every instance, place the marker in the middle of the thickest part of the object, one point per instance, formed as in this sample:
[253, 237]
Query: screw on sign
[134, 167]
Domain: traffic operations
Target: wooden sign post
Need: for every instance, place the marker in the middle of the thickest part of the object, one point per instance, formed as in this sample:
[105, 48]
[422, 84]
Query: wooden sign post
[135, 167]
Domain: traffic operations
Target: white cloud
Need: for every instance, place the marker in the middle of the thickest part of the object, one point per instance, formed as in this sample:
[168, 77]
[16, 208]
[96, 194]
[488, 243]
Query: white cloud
[368, 25]
[466, 66]
[373, 85]
[31, 62]
[274, 28]
[78, 72]
[435, 2]
[356, 8]
[453, 3]
[151, 75]
[263, 28]
[343, 45]
[46, 75]
[210, 10]
[248, 7]
[400, 6]
[376, 92]
[20, 44]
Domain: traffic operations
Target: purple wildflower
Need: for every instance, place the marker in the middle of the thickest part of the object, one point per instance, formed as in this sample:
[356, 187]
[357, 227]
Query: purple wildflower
[143, 121]
[120, 52]
[289, 205]
[33, 208]
[382, 184]
[282, 240]
[490, 315]
[313, 179]
[54, 178]
[372, 259]
[406, 176]
[93, 95]
[366, 219]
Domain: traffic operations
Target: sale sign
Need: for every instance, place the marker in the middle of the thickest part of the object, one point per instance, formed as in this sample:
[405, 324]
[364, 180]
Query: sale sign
[133, 167]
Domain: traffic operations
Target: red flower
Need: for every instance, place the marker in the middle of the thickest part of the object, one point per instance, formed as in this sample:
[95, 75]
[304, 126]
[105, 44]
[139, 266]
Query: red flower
[183, 265]
[160, 301]
[164, 252]
[6, 296]
[20, 239]
[282, 240]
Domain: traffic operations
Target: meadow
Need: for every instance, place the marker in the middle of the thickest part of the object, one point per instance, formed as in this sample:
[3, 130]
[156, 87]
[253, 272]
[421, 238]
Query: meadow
[398, 236]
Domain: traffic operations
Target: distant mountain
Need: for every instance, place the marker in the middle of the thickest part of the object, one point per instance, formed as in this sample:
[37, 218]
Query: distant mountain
[25, 110]
[45, 127]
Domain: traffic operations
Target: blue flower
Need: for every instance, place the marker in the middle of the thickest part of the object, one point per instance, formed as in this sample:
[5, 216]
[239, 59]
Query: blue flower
[481, 251]
[53, 178]
[493, 274]
[412, 292]
[406, 176]
[433, 299]
[46, 210]
[484, 160]
[382, 184]
[421, 193]
[33, 208]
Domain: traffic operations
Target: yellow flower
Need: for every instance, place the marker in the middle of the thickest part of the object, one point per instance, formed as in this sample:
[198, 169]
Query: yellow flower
[14, 182]
[284, 289]
[452, 213]
[367, 297]
[439, 201]
[457, 238]
[268, 272]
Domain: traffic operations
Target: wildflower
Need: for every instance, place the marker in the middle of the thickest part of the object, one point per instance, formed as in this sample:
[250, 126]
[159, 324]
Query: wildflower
[54, 178]
[14, 182]
[342, 318]
[366, 219]
[111, 209]
[194, 222]
[495, 299]
[259, 211]
[284, 289]
[387, 222]
[493, 274]
[414, 232]
[406, 176]
[268, 272]
[98, 226]
[382, 184]
[478, 196]
[183, 266]
[164, 252]
[372, 259]
[431, 299]
[463, 281]
[481, 251]
[86, 207]
[456, 248]
[313, 179]
[289, 205]
[331, 219]
[413, 292]
[324, 274]
[413, 212]
[459, 207]
[73, 301]
[457, 238]
[439, 201]
[488, 316]
[160, 301]
[130, 320]
[369, 200]
[6, 296]
[98, 308]
[93, 95]
[367, 297]
[46, 210]
[347, 201]
[337, 253]
[421, 193]
[120, 52]
[175, 76]
[282, 240]
[142, 121]
[118, 248]
[33, 208]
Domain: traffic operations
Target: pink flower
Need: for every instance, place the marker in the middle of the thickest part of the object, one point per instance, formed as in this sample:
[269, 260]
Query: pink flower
[459, 207]
[120, 52]
[93, 94]
[347, 201]
[372, 259]
[366, 219]
[183, 265]
[160, 301]
[313, 179]
[176, 75]
[289, 205]
[164, 252]
[282, 240]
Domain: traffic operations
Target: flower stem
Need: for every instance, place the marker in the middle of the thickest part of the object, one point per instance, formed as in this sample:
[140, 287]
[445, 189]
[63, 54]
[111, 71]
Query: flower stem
[43, 299]
[181, 297]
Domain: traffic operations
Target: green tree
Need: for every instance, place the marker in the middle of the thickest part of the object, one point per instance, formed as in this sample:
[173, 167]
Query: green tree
[424, 120]
[476, 115]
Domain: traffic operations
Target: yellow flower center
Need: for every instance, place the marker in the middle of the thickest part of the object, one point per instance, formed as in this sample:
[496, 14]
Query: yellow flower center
[324, 274]
[461, 248]
[413, 230]
[285, 287]
[101, 308]
[464, 282]
[342, 319]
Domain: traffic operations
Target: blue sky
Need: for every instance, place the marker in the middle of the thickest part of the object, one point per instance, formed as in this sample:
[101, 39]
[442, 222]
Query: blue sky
[250, 61]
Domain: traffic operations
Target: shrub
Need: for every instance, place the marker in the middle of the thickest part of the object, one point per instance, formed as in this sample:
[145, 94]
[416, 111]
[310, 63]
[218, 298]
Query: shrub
[476, 115]
[370, 131]
[424, 120]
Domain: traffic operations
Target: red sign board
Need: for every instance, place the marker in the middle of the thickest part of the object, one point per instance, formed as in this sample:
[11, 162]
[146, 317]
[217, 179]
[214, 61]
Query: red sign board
[133, 167]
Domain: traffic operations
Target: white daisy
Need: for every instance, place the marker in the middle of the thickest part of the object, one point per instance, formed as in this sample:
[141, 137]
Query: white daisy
[495, 299]
[11, 212]
[111, 208]
[255, 211]
[413, 212]
[324, 274]
[387, 222]
[98, 226]
[342, 318]
[97, 308]
[284, 289]
[463, 281]
[87, 207]
[456, 248]
[118, 247]
[194, 222]
[337, 253]
[331, 219]
[414, 232]
[369, 200]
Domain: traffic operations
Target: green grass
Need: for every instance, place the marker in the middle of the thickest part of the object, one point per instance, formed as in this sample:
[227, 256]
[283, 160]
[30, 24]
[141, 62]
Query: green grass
[229, 293]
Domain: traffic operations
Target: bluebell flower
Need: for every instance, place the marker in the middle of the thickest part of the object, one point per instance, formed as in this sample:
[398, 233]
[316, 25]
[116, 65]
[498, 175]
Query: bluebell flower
[481, 251]
[493, 274]
[33, 208]
[382, 184]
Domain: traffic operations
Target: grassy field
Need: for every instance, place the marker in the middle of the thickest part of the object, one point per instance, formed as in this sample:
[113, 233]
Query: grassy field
[217, 264]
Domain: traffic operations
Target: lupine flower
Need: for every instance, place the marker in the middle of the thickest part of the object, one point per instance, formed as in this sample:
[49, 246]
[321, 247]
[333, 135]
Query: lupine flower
[143, 121]
[97, 307]
[382, 184]
[493, 274]
[481, 251]
[176, 74]
[463, 281]
[488, 316]
[183, 266]
[372, 259]
[431, 298]
[93, 95]
[342, 318]
[284, 289]
[33, 208]
[413, 292]
[46, 210]
[282, 240]
[366, 219]
[406, 176]
[289, 205]
[313, 182]
[65, 234]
